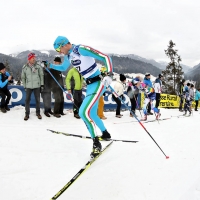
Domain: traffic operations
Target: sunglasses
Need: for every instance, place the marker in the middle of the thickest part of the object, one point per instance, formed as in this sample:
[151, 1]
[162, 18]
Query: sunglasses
[58, 49]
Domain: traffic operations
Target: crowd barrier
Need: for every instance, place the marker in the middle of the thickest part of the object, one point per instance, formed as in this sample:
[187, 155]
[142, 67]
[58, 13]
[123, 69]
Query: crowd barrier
[18, 98]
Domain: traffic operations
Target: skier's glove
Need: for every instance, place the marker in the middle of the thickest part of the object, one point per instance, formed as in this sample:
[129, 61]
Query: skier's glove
[107, 80]
[44, 64]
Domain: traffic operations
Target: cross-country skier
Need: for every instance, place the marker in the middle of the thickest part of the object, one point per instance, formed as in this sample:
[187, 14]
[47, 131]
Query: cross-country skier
[150, 96]
[83, 59]
[188, 99]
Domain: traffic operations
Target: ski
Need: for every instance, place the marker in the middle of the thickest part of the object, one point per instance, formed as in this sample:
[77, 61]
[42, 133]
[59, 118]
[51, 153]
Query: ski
[160, 119]
[83, 169]
[88, 137]
[154, 120]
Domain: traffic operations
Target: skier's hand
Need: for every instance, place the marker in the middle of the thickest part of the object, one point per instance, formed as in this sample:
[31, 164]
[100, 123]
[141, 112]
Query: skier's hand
[107, 80]
[44, 64]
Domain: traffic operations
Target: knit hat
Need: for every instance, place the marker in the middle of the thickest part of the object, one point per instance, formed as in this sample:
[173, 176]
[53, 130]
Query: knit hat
[160, 75]
[31, 55]
[59, 42]
[2, 66]
[122, 77]
[136, 80]
[57, 59]
[147, 74]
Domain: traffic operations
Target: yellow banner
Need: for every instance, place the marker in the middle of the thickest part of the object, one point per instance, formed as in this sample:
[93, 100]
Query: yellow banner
[167, 100]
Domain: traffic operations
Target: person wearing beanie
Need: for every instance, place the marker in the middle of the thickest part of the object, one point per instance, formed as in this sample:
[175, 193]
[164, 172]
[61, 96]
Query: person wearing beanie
[147, 81]
[4, 92]
[33, 81]
[189, 97]
[82, 58]
[58, 109]
[180, 88]
[158, 88]
[132, 92]
[150, 96]
[119, 88]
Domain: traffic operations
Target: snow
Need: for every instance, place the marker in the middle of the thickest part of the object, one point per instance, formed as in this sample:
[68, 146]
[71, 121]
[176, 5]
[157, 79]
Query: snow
[46, 52]
[35, 163]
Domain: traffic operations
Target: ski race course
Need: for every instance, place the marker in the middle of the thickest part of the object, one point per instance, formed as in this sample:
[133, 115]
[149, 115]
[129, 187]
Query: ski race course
[35, 164]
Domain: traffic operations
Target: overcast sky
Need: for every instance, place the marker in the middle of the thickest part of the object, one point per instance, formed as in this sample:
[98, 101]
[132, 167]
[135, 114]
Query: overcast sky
[141, 27]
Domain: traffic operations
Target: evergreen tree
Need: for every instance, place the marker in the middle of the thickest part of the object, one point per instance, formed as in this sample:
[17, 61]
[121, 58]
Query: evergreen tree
[173, 73]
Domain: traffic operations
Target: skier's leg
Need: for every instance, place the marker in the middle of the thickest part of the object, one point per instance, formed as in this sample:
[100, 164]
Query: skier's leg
[88, 109]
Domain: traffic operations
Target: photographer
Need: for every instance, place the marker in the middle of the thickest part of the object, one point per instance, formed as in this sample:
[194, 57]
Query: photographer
[4, 92]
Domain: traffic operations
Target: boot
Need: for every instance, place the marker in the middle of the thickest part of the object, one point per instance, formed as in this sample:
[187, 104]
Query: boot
[56, 115]
[105, 135]
[6, 107]
[26, 117]
[47, 114]
[3, 110]
[185, 113]
[39, 116]
[144, 118]
[158, 115]
[96, 148]
[76, 116]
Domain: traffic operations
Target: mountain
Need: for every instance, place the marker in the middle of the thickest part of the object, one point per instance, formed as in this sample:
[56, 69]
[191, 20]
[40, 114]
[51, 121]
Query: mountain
[128, 65]
[161, 65]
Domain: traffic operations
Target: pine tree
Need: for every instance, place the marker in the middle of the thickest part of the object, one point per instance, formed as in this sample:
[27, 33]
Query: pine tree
[173, 73]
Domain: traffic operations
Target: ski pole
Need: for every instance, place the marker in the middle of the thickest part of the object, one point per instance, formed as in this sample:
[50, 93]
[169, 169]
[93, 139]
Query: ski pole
[67, 94]
[137, 120]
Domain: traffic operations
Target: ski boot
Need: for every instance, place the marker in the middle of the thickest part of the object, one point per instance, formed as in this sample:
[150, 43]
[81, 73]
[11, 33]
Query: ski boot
[158, 114]
[105, 136]
[185, 113]
[96, 148]
[144, 119]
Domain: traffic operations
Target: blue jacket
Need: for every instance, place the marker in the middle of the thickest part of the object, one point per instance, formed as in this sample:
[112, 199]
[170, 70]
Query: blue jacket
[4, 80]
[197, 95]
[148, 82]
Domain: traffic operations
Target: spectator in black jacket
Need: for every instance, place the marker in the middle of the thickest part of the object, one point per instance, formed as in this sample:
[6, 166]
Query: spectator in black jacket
[4, 92]
[57, 91]
[181, 94]
[46, 93]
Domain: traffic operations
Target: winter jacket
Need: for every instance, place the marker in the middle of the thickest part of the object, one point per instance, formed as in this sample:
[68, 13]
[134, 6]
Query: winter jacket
[197, 95]
[47, 81]
[148, 82]
[132, 91]
[58, 76]
[4, 81]
[32, 77]
[191, 94]
[158, 85]
[180, 88]
[119, 87]
[78, 79]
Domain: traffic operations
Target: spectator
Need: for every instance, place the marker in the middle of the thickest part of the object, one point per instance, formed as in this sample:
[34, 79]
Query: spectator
[181, 94]
[4, 92]
[147, 82]
[46, 93]
[119, 89]
[132, 92]
[197, 97]
[57, 91]
[158, 88]
[33, 81]
[77, 91]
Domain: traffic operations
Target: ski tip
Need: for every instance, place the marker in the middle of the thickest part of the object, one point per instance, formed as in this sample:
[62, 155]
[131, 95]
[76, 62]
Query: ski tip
[167, 157]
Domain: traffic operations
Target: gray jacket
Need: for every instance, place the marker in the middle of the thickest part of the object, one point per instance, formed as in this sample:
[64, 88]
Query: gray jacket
[32, 77]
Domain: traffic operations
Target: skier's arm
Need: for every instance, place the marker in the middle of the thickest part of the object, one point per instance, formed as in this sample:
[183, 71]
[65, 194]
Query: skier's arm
[88, 51]
[63, 66]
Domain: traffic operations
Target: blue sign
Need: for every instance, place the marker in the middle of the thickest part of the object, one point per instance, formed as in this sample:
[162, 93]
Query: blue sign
[18, 96]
